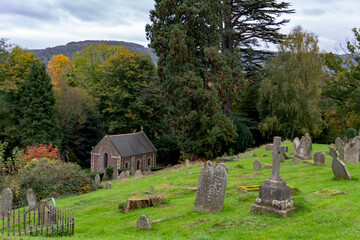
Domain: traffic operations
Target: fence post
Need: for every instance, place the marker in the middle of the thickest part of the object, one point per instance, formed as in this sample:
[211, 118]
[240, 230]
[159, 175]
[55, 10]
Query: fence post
[73, 223]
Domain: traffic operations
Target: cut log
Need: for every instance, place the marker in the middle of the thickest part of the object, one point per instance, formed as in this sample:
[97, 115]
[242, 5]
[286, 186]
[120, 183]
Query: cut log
[143, 202]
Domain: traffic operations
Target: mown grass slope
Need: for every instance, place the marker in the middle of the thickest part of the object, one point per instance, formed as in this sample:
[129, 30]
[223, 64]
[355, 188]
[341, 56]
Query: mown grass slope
[318, 217]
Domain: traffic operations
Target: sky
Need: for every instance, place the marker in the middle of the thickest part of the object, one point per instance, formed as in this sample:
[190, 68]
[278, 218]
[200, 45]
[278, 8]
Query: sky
[38, 24]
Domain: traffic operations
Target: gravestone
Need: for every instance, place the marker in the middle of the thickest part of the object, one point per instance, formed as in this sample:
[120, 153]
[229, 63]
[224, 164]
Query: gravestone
[122, 175]
[319, 158]
[127, 174]
[345, 140]
[274, 195]
[211, 188]
[97, 179]
[340, 147]
[31, 199]
[339, 168]
[138, 174]
[187, 163]
[6, 201]
[352, 153]
[257, 165]
[107, 185]
[176, 167]
[267, 165]
[143, 223]
[304, 150]
[296, 143]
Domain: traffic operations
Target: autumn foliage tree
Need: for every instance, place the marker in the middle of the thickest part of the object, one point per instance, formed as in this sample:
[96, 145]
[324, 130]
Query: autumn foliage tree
[58, 66]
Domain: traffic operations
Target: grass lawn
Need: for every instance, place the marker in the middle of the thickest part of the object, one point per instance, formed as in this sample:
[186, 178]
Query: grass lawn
[318, 216]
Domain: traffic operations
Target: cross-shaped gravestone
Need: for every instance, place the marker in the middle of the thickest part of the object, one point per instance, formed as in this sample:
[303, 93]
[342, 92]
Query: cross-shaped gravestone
[277, 150]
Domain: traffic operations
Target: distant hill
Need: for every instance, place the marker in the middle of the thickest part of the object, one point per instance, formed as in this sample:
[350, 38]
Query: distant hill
[71, 47]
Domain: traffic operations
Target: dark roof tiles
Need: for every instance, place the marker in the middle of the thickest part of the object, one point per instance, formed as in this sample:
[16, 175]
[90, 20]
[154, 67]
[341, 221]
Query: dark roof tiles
[132, 144]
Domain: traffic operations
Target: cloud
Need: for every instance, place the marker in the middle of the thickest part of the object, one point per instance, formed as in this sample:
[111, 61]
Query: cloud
[315, 11]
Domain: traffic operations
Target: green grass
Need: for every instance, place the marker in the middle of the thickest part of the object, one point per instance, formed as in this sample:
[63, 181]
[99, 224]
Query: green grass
[318, 217]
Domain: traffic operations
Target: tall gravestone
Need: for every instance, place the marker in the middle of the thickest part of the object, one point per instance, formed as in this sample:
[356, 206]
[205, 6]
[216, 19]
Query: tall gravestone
[274, 195]
[352, 153]
[97, 179]
[340, 147]
[6, 201]
[319, 158]
[47, 213]
[122, 175]
[211, 188]
[296, 143]
[339, 168]
[31, 199]
[304, 150]
[127, 174]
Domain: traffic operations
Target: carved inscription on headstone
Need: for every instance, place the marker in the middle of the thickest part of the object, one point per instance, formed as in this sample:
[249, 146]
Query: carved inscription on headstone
[211, 188]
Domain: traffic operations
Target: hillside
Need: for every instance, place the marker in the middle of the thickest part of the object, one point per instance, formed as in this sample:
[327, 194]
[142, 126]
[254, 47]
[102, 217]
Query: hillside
[318, 217]
[71, 47]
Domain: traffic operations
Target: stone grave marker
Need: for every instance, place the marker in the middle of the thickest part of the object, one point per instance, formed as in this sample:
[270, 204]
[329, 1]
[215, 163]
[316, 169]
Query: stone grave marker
[296, 143]
[143, 223]
[6, 201]
[107, 185]
[340, 147]
[274, 195]
[304, 150]
[97, 179]
[46, 213]
[319, 158]
[187, 163]
[352, 153]
[257, 165]
[267, 165]
[211, 188]
[122, 175]
[127, 174]
[138, 174]
[339, 168]
[31, 199]
[345, 140]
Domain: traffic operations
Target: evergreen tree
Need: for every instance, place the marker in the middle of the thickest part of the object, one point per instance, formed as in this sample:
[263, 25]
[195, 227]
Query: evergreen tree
[290, 94]
[36, 106]
[247, 24]
[184, 34]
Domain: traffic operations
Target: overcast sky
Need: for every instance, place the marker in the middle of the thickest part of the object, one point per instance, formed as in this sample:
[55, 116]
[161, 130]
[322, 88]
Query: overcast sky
[36, 24]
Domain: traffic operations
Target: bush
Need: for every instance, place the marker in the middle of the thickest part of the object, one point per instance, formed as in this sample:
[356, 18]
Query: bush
[109, 172]
[244, 139]
[351, 133]
[93, 175]
[53, 178]
[120, 170]
[154, 169]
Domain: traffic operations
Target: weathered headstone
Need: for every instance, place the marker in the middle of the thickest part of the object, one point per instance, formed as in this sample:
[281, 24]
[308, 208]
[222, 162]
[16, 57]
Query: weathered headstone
[97, 179]
[176, 167]
[187, 163]
[352, 153]
[339, 168]
[345, 140]
[31, 199]
[319, 158]
[127, 174]
[138, 174]
[296, 143]
[267, 165]
[6, 201]
[340, 147]
[274, 195]
[143, 223]
[257, 165]
[304, 150]
[122, 175]
[211, 188]
[107, 185]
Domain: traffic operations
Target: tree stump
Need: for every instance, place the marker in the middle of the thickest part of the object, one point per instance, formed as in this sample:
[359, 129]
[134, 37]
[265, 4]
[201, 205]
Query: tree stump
[143, 202]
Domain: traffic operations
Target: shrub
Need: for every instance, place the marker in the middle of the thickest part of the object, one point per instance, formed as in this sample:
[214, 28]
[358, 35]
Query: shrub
[154, 169]
[120, 170]
[351, 133]
[41, 151]
[53, 178]
[109, 172]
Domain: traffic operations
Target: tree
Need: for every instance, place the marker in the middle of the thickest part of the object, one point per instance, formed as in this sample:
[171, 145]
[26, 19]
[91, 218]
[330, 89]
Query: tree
[36, 106]
[342, 89]
[246, 25]
[185, 36]
[289, 95]
[58, 66]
